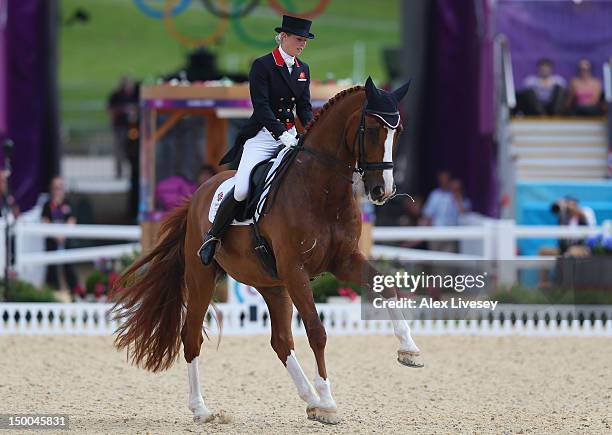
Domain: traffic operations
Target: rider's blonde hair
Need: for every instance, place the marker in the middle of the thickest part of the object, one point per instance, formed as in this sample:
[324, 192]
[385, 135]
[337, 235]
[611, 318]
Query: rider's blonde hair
[278, 38]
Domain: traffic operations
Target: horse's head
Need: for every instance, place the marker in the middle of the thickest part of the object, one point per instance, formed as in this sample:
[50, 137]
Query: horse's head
[374, 131]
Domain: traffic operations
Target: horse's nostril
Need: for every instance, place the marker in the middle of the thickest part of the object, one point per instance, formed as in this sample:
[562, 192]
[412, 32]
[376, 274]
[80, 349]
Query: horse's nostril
[378, 191]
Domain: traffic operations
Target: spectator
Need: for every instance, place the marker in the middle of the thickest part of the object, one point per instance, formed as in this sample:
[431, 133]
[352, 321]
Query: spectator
[6, 199]
[542, 93]
[8, 203]
[123, 111]
[173, 191]
[463, 204]
[569, 213]
[443, 208]
[585, 92]
[57, 210]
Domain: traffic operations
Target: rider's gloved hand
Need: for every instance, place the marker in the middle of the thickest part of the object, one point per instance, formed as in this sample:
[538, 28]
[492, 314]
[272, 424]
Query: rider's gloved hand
[288, 139]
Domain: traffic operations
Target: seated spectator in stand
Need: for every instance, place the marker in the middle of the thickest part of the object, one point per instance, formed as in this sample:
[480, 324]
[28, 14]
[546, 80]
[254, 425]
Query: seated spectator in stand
[585, 92]
[542, 94]
[58, 210]
[443, 207]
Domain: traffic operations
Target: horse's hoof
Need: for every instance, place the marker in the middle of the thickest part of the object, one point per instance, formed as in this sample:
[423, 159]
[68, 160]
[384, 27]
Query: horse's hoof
[203, 418]
[201, 414]
[407, 359]
[323, 415]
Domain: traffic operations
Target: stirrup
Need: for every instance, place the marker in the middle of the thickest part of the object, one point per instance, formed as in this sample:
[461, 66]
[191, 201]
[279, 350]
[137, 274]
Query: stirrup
[210, 239]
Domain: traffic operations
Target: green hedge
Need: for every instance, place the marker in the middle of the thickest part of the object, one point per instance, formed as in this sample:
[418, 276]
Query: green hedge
[21, 291]
[327, 285]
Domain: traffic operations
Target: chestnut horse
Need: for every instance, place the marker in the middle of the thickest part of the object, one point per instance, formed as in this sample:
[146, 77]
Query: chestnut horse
[313, 227]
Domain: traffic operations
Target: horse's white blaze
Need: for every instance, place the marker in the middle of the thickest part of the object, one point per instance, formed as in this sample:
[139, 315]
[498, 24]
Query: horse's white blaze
[196, 402]
[401, 329]
[388, 157]
[305, 389]
[323, 388]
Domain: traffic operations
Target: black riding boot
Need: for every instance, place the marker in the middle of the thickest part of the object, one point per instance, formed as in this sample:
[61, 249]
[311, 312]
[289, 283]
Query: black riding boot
[223, 219]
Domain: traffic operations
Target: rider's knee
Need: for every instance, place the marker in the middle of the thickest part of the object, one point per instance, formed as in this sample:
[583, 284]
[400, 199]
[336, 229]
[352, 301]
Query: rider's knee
[240, 194]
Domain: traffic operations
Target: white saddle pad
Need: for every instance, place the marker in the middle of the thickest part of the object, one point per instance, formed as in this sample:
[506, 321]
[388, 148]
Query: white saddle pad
[228, 184]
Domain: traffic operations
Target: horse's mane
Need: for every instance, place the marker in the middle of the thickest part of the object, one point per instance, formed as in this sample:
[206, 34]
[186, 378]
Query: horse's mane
[333, 100]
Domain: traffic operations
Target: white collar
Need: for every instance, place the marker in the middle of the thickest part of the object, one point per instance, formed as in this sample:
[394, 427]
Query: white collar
[289, 60]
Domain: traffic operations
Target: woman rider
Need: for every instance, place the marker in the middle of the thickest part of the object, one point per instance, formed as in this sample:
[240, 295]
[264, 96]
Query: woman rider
[279, 83]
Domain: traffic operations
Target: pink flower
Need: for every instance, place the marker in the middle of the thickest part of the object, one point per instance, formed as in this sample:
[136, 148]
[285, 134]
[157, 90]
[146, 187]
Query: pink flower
[347, 292]
[112, 279]
[79, 291]
[98, 289]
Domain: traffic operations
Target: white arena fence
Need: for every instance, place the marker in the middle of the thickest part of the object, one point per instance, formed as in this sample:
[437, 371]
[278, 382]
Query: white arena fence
[490, 239]
[339, 319]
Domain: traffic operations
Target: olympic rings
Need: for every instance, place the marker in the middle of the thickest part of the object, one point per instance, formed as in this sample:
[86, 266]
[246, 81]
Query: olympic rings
[310, 14]
[186, 40]
[156, 13]
[289, 5]
[247, 39]
[241, 12]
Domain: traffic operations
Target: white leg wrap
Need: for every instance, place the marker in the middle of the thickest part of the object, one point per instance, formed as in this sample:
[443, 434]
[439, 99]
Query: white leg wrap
[402, 330]
[323, 387]
[196, 402]
[304, 388]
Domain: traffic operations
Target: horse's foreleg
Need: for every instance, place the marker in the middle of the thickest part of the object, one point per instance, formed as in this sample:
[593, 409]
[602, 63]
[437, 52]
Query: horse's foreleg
[358, 270]
[200, 282]
[300, 292]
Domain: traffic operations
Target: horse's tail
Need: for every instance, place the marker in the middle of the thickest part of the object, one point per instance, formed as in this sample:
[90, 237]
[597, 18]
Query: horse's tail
[150, 299]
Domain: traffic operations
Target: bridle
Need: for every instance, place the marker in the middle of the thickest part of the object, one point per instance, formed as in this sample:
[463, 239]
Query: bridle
[362, 166]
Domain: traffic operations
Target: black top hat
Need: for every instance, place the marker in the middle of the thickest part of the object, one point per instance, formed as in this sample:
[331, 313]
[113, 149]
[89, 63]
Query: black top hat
[296, 26]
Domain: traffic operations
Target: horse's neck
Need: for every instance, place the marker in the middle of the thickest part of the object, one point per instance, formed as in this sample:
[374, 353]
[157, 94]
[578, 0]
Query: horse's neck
[329, 174]
[328, 134]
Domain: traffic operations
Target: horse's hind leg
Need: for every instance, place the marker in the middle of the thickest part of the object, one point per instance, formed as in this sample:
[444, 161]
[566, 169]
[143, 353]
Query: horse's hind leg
[281, 315]
[200, 283]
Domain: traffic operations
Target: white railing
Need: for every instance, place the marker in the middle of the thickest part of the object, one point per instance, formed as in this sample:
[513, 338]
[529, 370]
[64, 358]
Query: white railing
[339, 319]
[497, 239]
[30, 251]
[498, 242]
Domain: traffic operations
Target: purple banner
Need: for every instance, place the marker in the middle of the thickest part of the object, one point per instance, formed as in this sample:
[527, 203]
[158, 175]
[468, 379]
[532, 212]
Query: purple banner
[561, 30]
[459, 107]
[3, 34]
[30, 82]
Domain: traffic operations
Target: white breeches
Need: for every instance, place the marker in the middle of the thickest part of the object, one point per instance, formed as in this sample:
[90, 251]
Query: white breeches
[257, 149]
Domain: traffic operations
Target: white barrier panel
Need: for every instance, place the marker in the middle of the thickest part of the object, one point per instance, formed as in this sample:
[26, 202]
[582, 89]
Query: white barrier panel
[339, 319]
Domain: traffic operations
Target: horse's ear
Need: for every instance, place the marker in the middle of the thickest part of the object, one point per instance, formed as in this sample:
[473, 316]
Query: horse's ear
[400, 92]
[370, 88]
